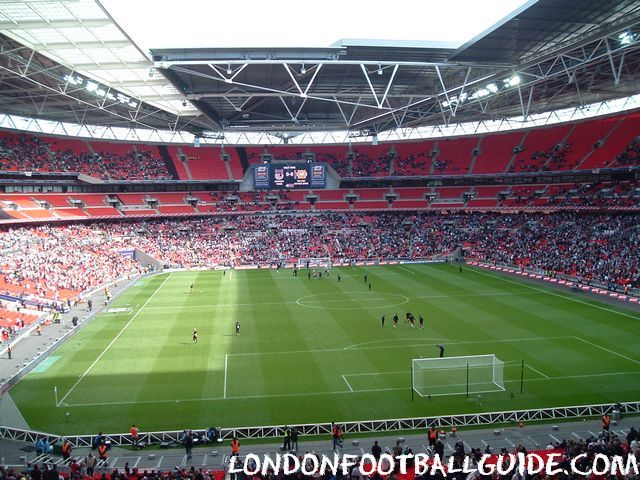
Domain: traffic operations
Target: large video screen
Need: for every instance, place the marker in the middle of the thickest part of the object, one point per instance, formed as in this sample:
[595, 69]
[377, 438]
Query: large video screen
[289, 176]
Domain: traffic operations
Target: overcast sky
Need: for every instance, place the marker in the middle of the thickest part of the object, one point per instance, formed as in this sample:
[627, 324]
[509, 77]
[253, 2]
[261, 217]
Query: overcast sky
[298, 23]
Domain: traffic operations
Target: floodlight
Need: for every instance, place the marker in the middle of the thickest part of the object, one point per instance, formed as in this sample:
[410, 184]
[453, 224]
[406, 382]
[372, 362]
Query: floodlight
[303, 70]
[72, 80]
[229, 71]
[379, 69]
[492, 87]
[626, 38]
[513, 81]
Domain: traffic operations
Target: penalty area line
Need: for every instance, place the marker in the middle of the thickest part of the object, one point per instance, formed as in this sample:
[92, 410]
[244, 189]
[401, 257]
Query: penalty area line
[536, 370]
[224, 390]
[608, 350]
[339, 392]
[524, 284]
[344, 377]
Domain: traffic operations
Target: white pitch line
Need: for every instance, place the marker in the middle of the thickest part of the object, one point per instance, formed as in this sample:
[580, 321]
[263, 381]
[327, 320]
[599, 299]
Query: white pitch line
[555, 439]
[394, 340]
[112, 341]
[536, 370]
[224, 392]
[407, 270]
[553, 293]
[344, 377]
[209, 305]
[296, 302]
[470, 342]
[303, 394]
[608, 350]
[374, 373]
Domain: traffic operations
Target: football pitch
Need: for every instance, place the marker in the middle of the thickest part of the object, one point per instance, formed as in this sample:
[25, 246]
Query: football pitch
[314, 350]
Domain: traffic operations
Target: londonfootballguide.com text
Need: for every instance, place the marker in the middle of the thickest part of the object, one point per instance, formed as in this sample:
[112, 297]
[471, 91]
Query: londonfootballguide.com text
[312, 464]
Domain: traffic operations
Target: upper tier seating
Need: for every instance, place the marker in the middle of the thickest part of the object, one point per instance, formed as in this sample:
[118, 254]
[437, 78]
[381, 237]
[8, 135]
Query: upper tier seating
[589, 144]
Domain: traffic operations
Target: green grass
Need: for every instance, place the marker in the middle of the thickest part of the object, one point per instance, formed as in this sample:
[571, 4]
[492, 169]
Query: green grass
[301, 339]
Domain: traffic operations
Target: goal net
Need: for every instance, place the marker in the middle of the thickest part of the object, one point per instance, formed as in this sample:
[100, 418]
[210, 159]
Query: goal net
[470, 374]
[317, 263]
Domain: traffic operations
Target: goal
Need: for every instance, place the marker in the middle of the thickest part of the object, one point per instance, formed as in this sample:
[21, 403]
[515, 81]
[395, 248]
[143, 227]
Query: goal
[319, 262]
[471, 374]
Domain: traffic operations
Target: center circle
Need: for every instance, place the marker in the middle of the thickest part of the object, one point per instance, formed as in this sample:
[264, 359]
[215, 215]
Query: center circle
[327, 301]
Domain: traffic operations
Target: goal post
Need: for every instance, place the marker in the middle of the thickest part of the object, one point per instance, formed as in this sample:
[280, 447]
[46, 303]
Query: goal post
[323, 263]
[469, 374]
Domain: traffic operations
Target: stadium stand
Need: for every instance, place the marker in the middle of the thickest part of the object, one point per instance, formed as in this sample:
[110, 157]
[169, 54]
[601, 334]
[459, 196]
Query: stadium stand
[591, 144]
[542, 149]
[106, 161]
[590, 247]
[496, 152]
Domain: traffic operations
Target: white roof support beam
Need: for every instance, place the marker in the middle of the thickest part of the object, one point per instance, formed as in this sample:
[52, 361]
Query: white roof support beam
[80, 45]
[293, 78]
[16, 122]
[464, 84]
[446, 94]
[386, 90]
[365, 72]
[303, 93]
[344, 117]
[616, 70]
[112, 66]
[370, 63]
[55, 24]
[261, 89]
[293, 117]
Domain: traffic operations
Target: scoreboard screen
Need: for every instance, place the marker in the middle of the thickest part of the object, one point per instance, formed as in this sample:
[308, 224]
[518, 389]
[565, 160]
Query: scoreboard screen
[289, 176]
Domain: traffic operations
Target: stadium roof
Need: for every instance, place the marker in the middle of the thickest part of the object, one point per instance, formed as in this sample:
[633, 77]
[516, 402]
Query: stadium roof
[70, 61]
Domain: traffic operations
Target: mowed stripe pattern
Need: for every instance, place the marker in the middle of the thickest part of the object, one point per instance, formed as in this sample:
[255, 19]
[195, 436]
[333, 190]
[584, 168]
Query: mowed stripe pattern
[314, 350]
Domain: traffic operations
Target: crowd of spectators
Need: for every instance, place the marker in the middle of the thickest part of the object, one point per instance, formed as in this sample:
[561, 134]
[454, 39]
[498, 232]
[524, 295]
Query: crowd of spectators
[414, 163]
[582, 452]
[551, 159]
[630, 156]
[28, 153]
[597, 195]
[24, 152]
[57, 262]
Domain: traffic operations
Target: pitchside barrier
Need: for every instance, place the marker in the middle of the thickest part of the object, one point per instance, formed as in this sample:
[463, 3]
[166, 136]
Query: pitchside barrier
[617, 292]
[350, 428]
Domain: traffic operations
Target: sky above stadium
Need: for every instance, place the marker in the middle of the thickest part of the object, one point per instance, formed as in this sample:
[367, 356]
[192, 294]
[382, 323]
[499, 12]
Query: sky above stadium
[295, 23]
